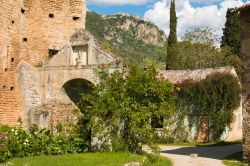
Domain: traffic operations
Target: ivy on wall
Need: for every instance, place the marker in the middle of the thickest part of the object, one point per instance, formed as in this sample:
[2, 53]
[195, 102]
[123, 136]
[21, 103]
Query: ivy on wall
[217, 96]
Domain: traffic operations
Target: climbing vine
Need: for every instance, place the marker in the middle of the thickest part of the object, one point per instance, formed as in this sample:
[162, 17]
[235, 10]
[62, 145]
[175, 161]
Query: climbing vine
[217, 97]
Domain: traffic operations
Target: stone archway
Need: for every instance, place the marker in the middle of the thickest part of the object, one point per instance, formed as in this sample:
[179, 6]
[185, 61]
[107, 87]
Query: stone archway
[74, 89]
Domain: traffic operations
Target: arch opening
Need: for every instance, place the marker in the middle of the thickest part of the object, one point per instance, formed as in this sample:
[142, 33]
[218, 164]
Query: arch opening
[75, 88]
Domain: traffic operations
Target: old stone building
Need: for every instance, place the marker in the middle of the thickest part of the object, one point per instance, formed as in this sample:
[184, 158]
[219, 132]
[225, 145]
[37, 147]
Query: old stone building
[46, 58]
[245, 53]
[234, 132]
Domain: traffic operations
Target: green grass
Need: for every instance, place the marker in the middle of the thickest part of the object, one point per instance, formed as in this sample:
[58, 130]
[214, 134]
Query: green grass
[223, 143]
[234, 160]
[88, 159]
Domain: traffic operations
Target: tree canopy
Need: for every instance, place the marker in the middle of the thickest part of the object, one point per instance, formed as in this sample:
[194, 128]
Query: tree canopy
[198, 50]
[122, 106]
[231, 32]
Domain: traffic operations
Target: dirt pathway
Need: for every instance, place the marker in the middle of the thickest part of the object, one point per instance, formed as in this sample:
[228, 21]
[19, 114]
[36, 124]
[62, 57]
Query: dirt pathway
[207, 156]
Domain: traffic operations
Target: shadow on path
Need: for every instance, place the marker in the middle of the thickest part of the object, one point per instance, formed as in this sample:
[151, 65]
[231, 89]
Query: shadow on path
[215, 152]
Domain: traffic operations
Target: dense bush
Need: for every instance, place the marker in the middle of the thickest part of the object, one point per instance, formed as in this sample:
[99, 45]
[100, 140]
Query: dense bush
[16, 142]
[217, 96]
[120, 109]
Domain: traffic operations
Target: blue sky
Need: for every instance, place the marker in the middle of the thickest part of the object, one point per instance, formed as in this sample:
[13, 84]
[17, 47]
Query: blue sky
[138, 10]
[191, 13]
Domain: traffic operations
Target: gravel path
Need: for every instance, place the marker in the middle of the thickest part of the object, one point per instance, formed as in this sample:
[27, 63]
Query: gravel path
[207, 156]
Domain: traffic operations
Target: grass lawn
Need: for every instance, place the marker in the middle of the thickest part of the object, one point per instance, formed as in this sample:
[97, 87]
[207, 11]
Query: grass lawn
[234, 160]
[87, 159]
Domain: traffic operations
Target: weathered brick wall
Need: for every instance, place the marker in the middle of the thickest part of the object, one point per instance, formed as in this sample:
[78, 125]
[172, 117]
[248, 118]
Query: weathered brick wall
[245, 51]
[9, 57]
[49, 24]
[28, 28]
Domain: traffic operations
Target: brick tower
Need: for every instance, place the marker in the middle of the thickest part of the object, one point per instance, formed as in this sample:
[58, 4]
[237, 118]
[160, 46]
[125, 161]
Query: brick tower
[31, 30]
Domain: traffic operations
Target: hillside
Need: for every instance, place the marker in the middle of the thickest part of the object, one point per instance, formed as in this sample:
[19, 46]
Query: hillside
[127, 36]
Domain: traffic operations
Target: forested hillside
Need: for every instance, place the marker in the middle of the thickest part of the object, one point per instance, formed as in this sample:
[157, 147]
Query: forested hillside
[129, 37]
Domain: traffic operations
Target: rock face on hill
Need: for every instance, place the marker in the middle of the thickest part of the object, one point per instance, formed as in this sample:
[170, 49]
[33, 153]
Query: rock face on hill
[128, 36]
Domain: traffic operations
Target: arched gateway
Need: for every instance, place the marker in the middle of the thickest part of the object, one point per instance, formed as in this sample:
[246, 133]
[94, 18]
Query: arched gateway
[51, 90]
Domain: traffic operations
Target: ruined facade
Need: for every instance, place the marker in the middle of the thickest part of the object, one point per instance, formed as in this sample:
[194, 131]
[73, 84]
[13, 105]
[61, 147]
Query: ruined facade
[245, 54]
[45, 57]
[234, 132]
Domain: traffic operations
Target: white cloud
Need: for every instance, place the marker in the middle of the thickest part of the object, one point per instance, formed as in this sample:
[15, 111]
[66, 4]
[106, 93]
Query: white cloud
[189, 17]
[205, 1]
[119, 2]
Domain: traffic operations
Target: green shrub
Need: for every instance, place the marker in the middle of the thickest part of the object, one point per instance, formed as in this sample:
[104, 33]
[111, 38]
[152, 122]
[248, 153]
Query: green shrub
[120, 109]
[16, 142]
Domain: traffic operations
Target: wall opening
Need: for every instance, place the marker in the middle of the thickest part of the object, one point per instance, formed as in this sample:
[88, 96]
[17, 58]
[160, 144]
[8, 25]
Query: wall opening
[75, 18]
[12, 59]
[22, 10]
[75, 88]
[51, 15]
[52, 52]
[25, 39]
[12, 88]
[13, 22]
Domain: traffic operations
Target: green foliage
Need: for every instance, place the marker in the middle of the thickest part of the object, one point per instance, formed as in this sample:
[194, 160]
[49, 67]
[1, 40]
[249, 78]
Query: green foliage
[198, 50]
[231, 32]
[217, 96]
[121, 107]
[91, 159]
[16, 142]
[234, 159]
[124, 43]
[172, 39]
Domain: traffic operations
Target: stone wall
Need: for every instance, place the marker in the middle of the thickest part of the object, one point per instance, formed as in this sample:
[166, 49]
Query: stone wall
[10, 48]
[48, 25]
[50, 114]
[245, 54]
[63, 77]
[28, 30]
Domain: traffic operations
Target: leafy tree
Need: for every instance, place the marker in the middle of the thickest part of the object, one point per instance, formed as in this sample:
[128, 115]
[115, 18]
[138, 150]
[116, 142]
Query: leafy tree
[231, 32]
[217, 96]
[120, 108]
[198, 50]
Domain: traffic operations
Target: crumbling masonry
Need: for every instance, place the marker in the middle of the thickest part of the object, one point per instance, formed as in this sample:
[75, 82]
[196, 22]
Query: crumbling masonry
[45, 58]
[245, 54]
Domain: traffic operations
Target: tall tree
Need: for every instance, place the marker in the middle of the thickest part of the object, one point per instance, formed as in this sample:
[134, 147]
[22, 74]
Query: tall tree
[231, 32]
[172, 39]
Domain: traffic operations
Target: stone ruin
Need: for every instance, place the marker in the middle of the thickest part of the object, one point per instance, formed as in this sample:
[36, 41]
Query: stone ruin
[245, 55]
[46, 59]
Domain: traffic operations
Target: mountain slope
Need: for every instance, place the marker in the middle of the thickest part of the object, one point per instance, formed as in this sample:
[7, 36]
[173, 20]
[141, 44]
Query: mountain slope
[127, 36]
